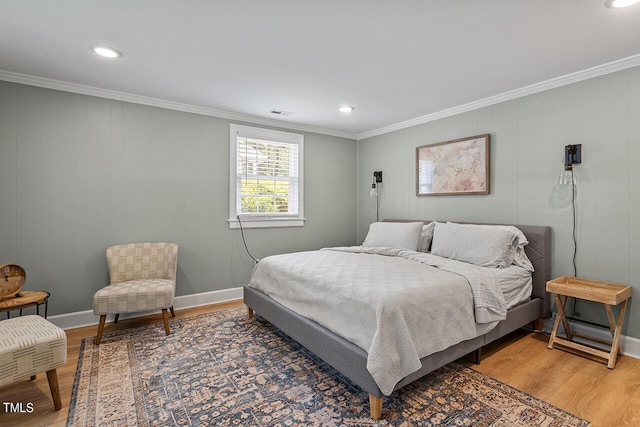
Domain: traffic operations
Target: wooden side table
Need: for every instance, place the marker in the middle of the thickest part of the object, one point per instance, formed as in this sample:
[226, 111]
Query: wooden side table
[26, 299]
[609, 294]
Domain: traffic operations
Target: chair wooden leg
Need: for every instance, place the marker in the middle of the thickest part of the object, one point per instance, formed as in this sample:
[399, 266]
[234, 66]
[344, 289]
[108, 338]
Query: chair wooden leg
[115, 319]
[52, 376]
[173, 312]
[103, 318]
[165, 316]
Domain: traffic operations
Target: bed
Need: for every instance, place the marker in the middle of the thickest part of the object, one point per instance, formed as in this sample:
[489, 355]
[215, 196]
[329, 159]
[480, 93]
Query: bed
[348, 355]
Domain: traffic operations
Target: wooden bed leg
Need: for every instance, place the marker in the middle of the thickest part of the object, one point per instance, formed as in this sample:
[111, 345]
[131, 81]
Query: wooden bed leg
[478, 353]
[375, 404]
[249, 312]
[538, 324]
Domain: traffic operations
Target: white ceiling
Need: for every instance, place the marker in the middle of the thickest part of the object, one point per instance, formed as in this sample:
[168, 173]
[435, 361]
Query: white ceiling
[395, 61]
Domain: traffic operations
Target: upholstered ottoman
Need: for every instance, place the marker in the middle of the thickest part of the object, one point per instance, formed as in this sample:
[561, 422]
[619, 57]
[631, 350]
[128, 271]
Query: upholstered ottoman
[30, 345]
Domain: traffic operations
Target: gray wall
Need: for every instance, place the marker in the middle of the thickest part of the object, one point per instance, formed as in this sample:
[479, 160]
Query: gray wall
[527, 154]
[80, 173]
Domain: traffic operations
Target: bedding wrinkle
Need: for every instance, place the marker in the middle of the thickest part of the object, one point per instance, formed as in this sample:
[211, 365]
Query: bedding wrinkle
[388, 301]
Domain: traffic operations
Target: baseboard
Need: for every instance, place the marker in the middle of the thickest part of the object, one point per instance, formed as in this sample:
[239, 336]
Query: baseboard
[87, 318]
[630, 345]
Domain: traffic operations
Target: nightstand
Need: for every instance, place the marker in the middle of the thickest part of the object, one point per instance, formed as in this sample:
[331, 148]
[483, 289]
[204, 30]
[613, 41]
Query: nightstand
[609, 294]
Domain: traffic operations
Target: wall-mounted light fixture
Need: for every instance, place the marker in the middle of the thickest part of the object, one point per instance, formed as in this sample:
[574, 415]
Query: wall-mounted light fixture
[377, 179]
[572, 156]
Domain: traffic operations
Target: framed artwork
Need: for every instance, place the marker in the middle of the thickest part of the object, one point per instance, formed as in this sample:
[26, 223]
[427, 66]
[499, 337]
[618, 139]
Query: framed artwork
[455, 167]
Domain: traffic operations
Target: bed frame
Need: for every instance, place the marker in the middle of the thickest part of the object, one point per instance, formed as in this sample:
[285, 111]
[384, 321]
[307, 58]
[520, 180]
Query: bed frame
[351, 360]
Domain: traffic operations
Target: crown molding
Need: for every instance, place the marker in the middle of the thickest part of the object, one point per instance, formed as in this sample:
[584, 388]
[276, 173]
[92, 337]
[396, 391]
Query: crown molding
[589, 73]
[162, 103]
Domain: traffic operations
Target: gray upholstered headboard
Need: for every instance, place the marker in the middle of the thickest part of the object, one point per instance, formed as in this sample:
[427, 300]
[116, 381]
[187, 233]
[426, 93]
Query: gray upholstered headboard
[539, 252]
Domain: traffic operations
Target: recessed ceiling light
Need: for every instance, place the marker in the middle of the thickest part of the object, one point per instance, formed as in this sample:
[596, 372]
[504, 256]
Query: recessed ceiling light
[349, 108]
[616, 4]
[106, 51]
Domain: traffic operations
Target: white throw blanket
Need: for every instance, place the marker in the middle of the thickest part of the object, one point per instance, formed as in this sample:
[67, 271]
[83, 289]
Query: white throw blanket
[391, 302]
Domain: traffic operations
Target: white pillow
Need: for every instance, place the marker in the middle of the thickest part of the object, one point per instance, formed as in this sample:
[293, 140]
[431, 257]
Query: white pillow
[476, 245]
[520, 258]
[403, 235]
[426, 235]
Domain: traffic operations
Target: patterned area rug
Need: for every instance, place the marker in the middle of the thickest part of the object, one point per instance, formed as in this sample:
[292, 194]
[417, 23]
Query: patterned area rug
[222, 369]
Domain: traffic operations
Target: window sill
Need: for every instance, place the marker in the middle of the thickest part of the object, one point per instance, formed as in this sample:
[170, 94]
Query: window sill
[267, 223]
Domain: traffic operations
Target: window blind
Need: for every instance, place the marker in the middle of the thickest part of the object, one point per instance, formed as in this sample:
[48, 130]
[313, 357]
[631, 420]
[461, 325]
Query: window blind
[267, 177]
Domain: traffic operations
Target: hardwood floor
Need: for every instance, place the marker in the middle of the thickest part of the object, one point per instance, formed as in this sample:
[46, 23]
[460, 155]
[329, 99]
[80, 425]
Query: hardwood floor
[581, 386]
[576, 384]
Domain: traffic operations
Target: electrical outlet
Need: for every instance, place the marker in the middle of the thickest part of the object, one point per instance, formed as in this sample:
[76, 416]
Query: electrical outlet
[378, 176]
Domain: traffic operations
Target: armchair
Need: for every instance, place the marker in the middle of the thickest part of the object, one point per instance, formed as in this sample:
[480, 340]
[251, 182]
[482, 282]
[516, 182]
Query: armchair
[142, 277]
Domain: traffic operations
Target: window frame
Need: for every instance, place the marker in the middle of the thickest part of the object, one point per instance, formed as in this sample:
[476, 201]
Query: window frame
[264, 220]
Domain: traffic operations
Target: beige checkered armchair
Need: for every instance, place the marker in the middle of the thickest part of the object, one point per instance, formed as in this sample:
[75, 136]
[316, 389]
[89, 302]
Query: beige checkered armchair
[142, 277]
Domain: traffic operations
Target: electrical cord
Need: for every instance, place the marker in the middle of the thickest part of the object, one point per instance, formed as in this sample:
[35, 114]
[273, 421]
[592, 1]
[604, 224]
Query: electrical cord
[575, 316]
[575, 240]
[575, 216]
[244, 241]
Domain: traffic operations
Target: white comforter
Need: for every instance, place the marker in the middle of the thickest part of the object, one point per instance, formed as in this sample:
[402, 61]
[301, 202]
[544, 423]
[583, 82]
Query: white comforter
[391, 302]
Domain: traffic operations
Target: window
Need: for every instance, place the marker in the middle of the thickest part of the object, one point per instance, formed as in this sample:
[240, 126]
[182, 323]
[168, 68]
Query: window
[266, 184]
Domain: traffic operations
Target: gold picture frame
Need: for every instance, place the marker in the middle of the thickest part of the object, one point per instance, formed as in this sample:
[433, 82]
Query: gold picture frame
[452, 168]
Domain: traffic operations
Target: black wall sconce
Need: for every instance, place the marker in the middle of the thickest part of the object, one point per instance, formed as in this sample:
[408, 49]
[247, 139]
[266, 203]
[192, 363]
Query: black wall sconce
[377, 179]
[572, 156]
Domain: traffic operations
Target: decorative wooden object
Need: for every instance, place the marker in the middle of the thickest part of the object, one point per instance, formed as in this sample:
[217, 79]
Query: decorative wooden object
[609, 294]
[12, 278]
[25, 299]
